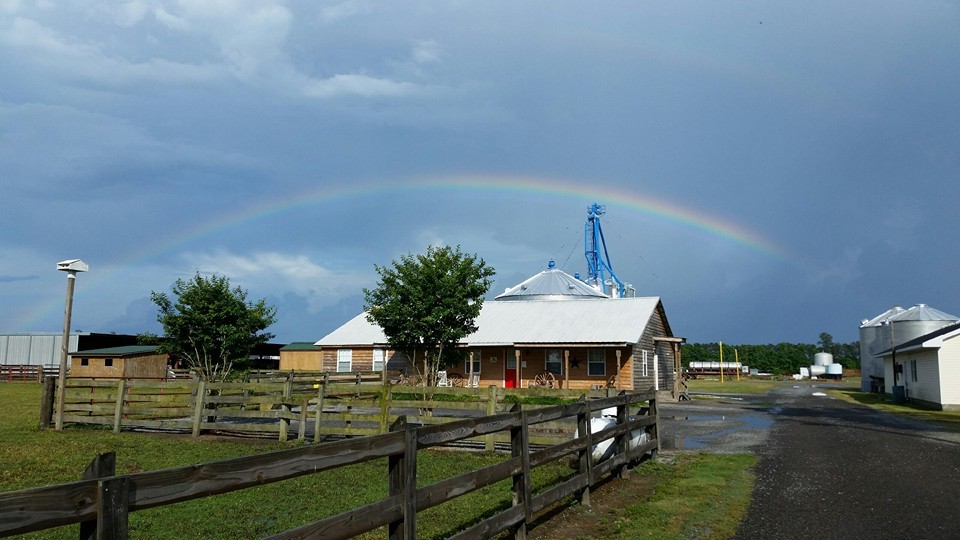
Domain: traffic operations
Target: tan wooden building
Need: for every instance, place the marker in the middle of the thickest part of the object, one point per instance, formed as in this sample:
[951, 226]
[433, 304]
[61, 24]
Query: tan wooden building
[551, 330]
[129, 362]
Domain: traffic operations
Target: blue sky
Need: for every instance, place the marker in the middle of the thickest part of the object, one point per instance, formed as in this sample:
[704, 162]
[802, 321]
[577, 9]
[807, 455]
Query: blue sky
[772, 170]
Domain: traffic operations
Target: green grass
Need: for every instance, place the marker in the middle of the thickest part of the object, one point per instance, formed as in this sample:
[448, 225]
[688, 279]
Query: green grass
[759, 386]
[697, 496]
[701, 496]
[884, 402]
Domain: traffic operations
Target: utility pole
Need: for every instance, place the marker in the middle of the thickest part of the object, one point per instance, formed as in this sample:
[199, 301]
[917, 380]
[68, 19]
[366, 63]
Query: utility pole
[71, 267]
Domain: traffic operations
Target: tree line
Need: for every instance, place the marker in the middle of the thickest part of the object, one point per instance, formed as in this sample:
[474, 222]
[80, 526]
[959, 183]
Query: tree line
[778, 359]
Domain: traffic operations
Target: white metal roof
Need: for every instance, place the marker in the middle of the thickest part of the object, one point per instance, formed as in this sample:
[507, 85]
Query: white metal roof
[532, 322]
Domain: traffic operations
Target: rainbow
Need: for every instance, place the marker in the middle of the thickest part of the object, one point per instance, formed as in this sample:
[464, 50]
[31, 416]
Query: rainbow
[587, 192]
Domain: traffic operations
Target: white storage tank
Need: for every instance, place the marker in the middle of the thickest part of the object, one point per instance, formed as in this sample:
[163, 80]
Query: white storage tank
[822, 359]
[817, 371]
[835, 369]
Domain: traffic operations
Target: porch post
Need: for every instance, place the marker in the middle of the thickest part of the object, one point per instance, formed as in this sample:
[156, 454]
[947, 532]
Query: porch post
[566, 368]
[516, 353]
[618, 368]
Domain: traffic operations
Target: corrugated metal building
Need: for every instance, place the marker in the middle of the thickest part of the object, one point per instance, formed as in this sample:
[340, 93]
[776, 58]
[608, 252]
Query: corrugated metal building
[43, 348]
[929, 368]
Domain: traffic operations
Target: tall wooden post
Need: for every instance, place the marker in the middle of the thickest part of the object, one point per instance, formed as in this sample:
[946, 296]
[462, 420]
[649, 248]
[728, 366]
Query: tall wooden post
[618, 369]
[518, 377]
[566, 368]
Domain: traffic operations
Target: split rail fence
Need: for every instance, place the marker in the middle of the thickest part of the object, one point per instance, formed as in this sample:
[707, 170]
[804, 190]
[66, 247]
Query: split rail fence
[102, 501]
[303, 408]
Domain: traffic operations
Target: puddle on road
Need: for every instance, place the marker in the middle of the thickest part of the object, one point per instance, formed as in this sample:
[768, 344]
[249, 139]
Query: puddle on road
[694, 432]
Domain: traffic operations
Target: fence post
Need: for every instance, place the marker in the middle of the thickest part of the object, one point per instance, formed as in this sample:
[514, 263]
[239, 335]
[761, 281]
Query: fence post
[520, 492]
[302, 431]
[624, 438]
[285, 408]
[200, 402]
[118, 411]
[402, 469]
[585, 455]
[319, 412]
[655, 428]
[489, 442]
[385, 407]
[112, 508]
[359, 381]
[46, 403]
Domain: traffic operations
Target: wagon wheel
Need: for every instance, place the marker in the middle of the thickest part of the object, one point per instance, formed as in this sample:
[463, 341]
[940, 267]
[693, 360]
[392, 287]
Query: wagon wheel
[456, 379]
[545, 379]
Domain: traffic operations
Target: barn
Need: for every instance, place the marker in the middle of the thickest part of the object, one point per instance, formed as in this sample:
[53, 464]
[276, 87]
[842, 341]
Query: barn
[551, 330]
[129, 362]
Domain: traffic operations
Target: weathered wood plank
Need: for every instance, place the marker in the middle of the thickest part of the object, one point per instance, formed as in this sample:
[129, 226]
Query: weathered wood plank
[348, 524]
[492, 525]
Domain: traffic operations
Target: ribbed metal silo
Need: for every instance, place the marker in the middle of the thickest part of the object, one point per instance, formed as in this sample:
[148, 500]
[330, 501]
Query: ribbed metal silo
[891, 328]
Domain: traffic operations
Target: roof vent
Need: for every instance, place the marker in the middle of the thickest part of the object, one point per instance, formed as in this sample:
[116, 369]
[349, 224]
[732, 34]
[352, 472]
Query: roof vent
[551, 265]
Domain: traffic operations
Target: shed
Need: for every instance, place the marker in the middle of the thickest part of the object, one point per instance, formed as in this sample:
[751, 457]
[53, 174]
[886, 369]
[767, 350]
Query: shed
[300, 356]
[128, 362]
[928, 368]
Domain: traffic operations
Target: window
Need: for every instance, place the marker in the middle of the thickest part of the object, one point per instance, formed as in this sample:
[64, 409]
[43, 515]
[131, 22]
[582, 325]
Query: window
[913, 370]
[377, 360]
[476, 364]
[554, 361]
[344, 360]
[643, 365]
[596, 363]
[108, 362]
[84, 361]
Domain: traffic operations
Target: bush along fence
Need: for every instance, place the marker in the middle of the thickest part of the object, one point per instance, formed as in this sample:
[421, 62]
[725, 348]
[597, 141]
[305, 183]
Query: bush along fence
[303, 408]
[102, 501]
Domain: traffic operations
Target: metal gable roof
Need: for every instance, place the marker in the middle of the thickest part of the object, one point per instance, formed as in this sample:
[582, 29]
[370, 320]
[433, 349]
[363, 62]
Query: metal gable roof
[532, 322]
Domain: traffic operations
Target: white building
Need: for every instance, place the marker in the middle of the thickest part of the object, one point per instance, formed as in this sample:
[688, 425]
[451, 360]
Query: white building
[928, 368]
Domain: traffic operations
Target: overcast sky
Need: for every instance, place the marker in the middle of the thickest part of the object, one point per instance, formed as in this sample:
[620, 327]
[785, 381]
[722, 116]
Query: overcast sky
[771, 170]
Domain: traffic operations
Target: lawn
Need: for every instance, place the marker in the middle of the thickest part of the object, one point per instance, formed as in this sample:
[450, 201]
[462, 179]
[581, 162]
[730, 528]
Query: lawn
[884, 402]
[31, 457]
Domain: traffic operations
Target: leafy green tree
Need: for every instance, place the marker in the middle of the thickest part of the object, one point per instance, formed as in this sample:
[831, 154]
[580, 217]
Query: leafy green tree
[211, 326]
[429, 302]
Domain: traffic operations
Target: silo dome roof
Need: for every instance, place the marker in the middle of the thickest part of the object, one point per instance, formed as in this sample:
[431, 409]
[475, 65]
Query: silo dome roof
[923, 312]
[551, 284]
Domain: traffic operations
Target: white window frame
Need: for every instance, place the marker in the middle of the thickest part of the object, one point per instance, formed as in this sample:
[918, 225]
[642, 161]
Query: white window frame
[592, 362]
[643, 365]
[477, 362]
[382, 361]
[344, 355]
[558, 362]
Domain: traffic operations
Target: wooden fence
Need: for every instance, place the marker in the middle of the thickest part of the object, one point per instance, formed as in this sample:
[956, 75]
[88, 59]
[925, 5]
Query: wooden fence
[103, 501]
[305, 408]
[26, 372]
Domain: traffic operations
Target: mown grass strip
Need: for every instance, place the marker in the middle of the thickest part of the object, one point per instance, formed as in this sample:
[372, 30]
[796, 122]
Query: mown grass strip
[698, 496]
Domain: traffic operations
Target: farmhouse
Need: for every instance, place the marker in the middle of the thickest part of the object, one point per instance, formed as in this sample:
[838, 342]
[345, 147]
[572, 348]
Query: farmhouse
[552, 330]
[928, 368]
[129, 362]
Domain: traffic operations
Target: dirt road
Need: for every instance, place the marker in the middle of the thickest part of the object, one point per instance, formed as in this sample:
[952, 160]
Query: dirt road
[831, 469]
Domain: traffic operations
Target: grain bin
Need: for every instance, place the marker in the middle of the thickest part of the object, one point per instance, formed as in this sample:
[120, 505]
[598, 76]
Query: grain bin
[894, 327]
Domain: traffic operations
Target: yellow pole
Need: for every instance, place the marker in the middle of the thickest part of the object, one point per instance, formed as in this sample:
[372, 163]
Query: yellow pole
[721, 362]
[736, 355]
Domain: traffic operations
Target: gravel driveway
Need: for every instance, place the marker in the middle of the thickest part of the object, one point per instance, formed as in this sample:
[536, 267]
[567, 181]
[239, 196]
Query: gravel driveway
[828, 468]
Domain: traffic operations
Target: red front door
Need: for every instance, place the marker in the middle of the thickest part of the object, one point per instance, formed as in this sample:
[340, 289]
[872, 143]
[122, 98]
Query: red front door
[510, 373]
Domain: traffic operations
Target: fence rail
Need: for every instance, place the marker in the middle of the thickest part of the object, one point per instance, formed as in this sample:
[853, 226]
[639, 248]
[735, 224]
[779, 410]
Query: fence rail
[26, 372]
[306, 408]
[105, 500]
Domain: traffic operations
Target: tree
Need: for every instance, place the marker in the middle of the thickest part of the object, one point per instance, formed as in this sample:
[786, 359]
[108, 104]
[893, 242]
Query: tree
[429, 302]
[211, 326]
